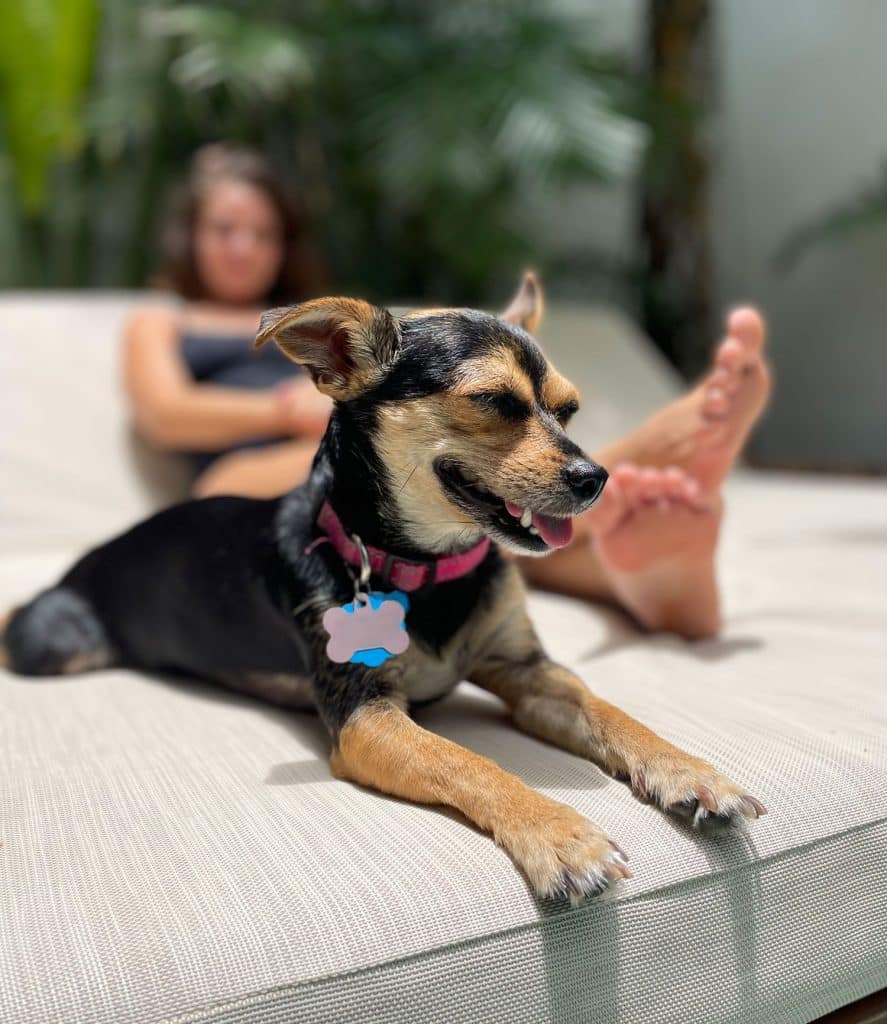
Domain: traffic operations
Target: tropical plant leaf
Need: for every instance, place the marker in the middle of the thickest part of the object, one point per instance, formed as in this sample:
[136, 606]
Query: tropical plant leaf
[46, 56]
[253, 59]
[863, 212]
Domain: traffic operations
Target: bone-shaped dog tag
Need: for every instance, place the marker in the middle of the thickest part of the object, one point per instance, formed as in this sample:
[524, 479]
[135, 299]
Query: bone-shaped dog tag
[369, 630]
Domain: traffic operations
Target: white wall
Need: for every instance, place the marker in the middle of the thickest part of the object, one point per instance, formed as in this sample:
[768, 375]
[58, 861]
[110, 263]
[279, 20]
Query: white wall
[803, 100]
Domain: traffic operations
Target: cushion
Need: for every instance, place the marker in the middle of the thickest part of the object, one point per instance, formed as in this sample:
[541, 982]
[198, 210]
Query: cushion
[174, 852]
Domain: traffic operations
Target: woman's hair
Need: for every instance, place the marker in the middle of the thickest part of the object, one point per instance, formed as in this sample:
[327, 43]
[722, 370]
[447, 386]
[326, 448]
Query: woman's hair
[300, 275]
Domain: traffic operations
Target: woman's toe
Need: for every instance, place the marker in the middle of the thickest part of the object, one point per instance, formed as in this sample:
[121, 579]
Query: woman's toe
[747, 325]
[675, 480]
[731, 355]
[650, 484]
[628, 477]
[692, 492]
[715, 403]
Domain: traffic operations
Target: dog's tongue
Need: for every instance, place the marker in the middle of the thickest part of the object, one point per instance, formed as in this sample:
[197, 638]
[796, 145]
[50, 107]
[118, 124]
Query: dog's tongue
[556, 533]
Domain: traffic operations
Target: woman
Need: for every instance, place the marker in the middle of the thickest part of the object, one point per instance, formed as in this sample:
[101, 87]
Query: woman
[195, 384]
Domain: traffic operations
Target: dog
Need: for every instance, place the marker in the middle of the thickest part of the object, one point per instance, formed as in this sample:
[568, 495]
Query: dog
[447, 447]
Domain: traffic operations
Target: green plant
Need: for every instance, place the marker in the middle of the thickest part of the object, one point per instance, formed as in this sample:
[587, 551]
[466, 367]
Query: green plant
[861, 212]
[415, 133]
[46, 55]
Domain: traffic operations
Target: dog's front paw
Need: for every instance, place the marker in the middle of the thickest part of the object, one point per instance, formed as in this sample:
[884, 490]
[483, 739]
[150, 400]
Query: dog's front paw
[691, 788]
[564, 854]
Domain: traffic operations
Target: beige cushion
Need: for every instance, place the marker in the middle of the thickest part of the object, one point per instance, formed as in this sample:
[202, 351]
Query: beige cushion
[173, 852]
[73, 472]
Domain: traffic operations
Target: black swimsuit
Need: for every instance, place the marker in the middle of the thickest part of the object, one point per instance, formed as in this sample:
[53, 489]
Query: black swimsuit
[230, 361]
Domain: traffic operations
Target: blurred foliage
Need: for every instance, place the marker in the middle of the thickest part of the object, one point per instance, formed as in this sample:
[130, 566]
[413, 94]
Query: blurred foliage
[861, 212]
[412, 133]
[46, 50]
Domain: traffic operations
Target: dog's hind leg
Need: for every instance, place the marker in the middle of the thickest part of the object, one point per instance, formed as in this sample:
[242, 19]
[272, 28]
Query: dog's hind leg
[58, 633]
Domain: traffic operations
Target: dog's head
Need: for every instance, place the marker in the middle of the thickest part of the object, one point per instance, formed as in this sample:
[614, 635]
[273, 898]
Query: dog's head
[465, 415]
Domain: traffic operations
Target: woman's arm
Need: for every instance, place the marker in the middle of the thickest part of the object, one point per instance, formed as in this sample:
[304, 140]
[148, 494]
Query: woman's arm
[174, 412]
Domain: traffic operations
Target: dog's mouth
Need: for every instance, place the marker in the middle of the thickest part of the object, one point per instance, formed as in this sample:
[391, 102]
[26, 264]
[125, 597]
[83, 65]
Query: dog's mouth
[532, 531]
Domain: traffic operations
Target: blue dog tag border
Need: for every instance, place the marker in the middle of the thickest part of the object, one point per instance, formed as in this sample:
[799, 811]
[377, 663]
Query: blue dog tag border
[372, 657]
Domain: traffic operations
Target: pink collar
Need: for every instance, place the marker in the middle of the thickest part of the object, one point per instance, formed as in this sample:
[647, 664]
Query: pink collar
[401, 573]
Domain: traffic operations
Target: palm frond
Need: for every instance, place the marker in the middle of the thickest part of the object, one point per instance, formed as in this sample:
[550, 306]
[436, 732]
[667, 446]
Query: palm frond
[863, 212]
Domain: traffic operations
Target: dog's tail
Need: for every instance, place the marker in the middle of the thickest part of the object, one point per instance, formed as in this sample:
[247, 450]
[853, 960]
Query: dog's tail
[57, 633]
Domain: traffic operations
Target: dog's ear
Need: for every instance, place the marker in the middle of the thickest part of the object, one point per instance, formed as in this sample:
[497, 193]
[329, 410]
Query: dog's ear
[525, 309]
[346, 345]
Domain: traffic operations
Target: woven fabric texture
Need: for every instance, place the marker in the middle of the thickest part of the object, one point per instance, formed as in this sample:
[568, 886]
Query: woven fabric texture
[173, 852]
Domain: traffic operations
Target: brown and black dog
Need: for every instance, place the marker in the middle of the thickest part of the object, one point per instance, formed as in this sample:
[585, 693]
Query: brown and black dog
[448, 432]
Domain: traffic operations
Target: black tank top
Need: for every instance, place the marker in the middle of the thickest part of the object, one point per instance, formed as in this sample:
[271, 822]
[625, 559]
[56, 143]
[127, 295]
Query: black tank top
[231, 361]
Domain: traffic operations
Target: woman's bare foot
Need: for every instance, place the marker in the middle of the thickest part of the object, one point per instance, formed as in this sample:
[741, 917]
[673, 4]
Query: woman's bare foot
[704, 432]
[654, 533]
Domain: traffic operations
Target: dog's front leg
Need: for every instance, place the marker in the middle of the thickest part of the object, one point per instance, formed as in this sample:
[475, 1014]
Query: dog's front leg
[560, 852]
[549, 701]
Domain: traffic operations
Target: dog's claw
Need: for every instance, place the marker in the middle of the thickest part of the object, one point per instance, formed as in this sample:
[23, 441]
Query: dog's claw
[756, 808]
[619, 849]
[640, 783]
[705, 796]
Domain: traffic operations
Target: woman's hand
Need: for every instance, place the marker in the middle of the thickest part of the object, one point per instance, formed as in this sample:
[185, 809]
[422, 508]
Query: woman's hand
[303, 410]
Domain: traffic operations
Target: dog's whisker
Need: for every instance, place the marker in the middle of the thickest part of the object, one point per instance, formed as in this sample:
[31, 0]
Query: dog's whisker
[409, 477]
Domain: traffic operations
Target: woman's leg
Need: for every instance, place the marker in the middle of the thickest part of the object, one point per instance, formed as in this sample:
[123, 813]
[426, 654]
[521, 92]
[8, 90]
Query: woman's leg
[257, 472]
[649, 544]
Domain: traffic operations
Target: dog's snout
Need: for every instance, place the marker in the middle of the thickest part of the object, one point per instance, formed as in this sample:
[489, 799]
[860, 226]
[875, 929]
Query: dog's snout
[585, 479]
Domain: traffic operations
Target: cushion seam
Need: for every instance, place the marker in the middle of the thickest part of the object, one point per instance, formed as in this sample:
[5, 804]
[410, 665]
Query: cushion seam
[256, 998]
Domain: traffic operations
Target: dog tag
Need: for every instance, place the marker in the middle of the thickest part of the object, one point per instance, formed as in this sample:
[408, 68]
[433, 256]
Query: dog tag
[369, 630]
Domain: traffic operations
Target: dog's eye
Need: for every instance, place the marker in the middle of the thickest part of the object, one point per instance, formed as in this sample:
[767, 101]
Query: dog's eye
[564, 413]
[504, 403]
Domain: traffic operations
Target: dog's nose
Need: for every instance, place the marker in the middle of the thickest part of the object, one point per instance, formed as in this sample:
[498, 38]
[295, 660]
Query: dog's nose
[585, 479]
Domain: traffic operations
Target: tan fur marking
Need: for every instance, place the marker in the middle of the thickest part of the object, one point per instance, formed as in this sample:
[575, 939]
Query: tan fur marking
[382, 747]
[551, 702]
[87, 661]
[303, 333]
[516, 461]
[525, 309]
[418, 314]
[557, 391]
[496, 371]
[5, 661]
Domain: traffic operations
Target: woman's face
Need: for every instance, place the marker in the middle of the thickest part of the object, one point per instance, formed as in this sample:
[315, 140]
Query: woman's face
[238, 243]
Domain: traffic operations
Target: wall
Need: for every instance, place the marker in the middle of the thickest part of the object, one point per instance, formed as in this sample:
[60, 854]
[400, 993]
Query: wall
[801, 124]
[803, 99]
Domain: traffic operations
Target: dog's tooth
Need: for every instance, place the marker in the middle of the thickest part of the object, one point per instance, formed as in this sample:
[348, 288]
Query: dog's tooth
[526, 520]
[534, 531]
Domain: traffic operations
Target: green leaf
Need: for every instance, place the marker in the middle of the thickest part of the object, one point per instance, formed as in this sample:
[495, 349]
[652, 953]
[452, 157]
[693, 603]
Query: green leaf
[46, 56]
[860, 213]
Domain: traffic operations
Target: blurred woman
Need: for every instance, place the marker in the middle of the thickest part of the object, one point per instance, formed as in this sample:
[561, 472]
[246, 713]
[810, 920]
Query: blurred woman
[254, 422]
[250, 419]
